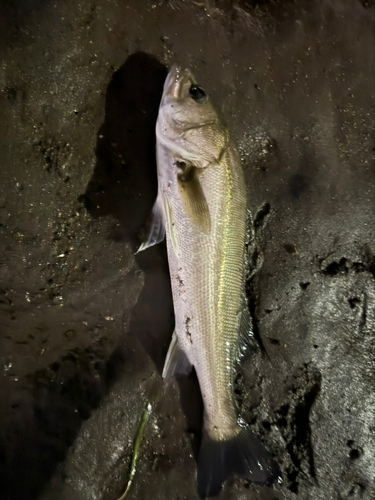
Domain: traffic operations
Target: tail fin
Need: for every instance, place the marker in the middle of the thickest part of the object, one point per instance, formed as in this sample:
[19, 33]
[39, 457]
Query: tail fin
[243, 456]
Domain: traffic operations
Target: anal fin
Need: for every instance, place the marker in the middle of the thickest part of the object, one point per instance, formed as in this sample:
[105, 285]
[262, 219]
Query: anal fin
[176, 360]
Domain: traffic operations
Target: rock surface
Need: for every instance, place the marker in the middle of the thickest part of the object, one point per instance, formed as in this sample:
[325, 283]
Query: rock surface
[85, 324]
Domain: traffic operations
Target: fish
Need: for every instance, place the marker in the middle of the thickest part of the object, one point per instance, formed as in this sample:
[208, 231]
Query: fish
[201, 210]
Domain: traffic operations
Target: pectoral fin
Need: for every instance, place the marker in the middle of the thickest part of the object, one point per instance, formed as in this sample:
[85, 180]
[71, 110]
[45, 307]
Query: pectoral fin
[157, 230]
[192, 196]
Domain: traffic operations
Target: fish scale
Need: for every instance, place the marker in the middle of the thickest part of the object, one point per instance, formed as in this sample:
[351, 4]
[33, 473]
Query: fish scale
[201, 208]
[211, 268]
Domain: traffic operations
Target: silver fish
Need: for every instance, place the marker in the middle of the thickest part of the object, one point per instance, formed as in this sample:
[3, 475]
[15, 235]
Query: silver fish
[201, 207]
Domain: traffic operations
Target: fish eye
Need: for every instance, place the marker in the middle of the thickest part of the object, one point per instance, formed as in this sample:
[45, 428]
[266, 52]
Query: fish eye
[197, 93]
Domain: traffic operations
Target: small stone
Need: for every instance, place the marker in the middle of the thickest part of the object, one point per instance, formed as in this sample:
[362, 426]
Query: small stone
[70, 334]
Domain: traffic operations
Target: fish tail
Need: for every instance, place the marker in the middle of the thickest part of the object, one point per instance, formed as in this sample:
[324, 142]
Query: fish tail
[243, 455]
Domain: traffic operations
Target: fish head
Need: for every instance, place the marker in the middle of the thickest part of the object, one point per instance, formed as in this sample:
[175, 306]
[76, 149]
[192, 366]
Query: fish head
[188, 123]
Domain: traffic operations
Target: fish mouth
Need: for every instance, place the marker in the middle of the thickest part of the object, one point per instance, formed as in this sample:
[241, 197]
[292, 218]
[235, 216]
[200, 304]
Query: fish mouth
[176, 80]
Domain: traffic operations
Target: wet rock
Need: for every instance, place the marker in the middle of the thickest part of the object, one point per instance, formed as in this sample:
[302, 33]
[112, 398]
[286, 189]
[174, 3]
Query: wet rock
[86, 324]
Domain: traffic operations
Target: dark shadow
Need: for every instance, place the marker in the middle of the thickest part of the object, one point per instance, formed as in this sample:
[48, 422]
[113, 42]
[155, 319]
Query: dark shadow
[124, 182]
[37, 436]
[124, 185]
[192, 406]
